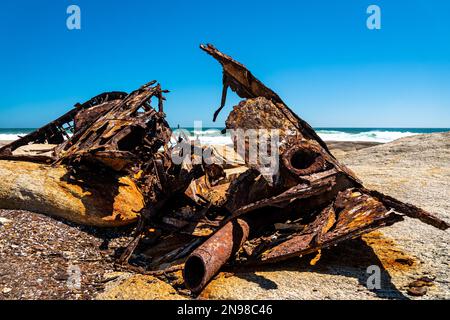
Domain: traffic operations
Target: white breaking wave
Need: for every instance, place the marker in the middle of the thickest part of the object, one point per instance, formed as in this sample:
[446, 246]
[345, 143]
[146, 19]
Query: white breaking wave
[367, 136]
[209, 137]
[206, 137]
[217, 140]
[11, 136]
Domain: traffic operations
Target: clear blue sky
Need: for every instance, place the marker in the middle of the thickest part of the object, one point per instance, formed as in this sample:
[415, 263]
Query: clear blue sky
[318, 55]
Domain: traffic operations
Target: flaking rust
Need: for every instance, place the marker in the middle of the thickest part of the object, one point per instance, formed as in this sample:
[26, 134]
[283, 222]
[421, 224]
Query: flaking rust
[123, 134]
[59, 130]
[311, 185]
[199, 215]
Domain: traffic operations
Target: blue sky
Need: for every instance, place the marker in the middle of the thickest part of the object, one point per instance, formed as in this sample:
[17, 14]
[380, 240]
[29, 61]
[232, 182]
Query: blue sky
[318, 55]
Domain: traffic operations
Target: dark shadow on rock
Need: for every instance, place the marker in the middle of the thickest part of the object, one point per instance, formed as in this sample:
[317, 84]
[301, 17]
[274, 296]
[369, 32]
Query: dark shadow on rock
[262, 281]
[94, 185]
[349, 259]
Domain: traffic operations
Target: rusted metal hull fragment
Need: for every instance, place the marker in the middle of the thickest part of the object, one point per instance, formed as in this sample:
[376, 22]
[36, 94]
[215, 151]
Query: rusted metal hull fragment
[124, 134]
[58, 131]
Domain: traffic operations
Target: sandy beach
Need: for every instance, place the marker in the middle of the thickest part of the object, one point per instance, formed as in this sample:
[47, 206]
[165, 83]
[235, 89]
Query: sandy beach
[36, 250]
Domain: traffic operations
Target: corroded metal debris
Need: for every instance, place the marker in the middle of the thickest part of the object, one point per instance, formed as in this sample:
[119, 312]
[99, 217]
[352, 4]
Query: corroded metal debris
[201, 214]
[58, 131]
[120, 133]
[310, 187]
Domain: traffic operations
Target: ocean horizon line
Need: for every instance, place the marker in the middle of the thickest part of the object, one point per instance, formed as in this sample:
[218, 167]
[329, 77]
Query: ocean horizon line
[213, 135]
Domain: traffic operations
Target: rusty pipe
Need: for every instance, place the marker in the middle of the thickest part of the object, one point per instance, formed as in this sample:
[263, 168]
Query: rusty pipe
[304, 159]
[205, 262]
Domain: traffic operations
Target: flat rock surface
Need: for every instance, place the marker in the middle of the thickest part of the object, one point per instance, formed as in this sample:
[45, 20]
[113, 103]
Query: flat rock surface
[38, 254]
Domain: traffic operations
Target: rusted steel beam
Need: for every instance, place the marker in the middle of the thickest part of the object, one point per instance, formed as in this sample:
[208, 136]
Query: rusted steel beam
[410, 210]
[206, 261]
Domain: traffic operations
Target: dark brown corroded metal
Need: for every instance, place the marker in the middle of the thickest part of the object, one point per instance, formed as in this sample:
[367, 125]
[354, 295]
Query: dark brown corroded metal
[352, 214]
[410, 210]
[124, 134]
[297, 145]
[312, 202]
[239, 79]
[310, 183]
[208, 259]
[86, 117]
[57, 131]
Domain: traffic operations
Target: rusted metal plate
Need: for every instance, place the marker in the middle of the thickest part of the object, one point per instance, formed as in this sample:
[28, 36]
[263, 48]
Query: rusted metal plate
[352, 214]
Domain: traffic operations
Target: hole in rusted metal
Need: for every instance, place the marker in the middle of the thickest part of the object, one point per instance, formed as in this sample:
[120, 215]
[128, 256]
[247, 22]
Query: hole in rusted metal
[129, 142]
[303, 159]
[194, 271]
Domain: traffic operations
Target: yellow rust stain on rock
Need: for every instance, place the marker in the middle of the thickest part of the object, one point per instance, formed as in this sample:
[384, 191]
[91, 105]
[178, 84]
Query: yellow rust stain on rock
[128, 200]
[220, 285]
[140, 287]
[392, 258]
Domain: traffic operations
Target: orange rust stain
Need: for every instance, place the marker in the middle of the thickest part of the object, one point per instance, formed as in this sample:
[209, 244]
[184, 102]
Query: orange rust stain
[316, 259]
[330, 222]
[138, 175]
[219, 281]
[128, 202]
[74, 190]
[390, 255]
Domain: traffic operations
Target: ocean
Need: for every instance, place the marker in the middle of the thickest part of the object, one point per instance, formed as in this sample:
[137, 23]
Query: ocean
[382, 135]
[213, 135]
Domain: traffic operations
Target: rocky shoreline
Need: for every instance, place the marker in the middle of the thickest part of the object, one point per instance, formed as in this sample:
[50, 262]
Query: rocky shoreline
[37, 251]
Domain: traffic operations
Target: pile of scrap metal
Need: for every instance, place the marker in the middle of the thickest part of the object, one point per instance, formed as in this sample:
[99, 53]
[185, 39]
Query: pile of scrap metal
[201, 215]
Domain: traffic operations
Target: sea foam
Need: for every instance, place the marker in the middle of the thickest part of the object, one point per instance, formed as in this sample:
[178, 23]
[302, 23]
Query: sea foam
[369, 136]
[213, 136]
[11, 136]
